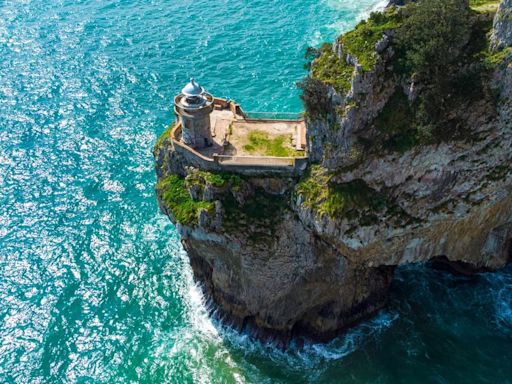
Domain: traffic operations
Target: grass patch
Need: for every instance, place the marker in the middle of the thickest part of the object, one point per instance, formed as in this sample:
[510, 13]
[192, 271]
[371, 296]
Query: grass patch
[484, 5]
[493, 59]
[176, 197]
[261, 143]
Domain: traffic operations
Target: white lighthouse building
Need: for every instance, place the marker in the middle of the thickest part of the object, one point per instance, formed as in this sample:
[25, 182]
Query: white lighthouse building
[193, 107]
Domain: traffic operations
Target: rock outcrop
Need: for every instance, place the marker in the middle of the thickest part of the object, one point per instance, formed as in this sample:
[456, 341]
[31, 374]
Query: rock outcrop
[288, 257]
[502, 31]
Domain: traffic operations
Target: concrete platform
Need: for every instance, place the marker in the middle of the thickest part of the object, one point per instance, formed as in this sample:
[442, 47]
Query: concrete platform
[232, 133]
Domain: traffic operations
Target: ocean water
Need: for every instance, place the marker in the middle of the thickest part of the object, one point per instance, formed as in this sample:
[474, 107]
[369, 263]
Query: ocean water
[94, 284]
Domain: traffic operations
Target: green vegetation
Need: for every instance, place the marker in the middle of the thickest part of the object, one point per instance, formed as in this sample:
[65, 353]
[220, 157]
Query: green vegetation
[443, 45]
[258, 217]
[216, 179]
[315, 96]
[354, 200]
[493, 59]
[395, 124]
[166, 134]
[337, 200]
[329, 69]
[261, 206]
[432, 36]
[261, 143]
[176, 197]
[484, 5]
[361, 41]
[440, 45]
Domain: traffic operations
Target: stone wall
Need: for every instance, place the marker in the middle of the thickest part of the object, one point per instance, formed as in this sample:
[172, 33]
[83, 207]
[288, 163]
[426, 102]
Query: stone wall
[247, 166]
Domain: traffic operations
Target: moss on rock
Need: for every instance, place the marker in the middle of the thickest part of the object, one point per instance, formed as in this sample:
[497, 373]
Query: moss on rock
[337, 200]
[163, 137]
[354, 201]
[174, 194]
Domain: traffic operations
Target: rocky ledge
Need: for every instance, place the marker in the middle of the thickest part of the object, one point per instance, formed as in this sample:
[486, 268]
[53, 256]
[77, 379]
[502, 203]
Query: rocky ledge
[394, 181]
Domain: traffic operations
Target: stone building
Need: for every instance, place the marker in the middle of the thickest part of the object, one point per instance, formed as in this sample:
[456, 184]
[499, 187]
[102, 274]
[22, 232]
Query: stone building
[193, 107]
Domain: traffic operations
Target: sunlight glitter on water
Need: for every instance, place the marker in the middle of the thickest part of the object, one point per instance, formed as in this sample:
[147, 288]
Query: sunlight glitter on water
[94, 284]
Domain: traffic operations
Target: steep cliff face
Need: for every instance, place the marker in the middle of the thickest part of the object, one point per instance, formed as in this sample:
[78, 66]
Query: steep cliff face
[284, 257]
[267, 272]
[446, 196]
[450, 199]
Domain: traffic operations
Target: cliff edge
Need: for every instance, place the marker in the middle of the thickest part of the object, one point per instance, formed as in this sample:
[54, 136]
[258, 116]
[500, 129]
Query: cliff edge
[410, 162]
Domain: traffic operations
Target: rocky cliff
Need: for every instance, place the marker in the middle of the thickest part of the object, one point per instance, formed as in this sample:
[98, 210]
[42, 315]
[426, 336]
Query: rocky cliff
[502, 31]
[284, 257]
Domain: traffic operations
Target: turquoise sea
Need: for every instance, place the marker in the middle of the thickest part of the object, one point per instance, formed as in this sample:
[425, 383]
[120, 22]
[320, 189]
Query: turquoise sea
[94, 284]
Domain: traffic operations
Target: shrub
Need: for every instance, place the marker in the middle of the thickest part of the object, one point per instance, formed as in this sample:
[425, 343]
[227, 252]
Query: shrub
[443, 45]
[315, 95]
[217, 179]
[313, 53]
[331, 70]
[359, 43]
[432, 35]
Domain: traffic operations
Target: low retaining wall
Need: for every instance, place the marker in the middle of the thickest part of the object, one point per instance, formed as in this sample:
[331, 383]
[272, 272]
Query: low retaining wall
[244, 165]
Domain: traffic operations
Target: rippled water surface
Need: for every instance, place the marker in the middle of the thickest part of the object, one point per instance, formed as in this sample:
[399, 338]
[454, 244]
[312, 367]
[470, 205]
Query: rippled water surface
[94, 285]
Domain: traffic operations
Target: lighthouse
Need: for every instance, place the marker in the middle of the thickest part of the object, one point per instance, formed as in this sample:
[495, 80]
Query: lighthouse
[193, 107]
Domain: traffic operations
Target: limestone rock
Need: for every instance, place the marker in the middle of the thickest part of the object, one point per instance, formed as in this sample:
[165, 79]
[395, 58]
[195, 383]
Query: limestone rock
[502, 28]
[293, 284]
[337, 49]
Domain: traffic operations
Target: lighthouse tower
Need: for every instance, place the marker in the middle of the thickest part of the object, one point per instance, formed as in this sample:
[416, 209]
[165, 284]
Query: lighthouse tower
[193, 107]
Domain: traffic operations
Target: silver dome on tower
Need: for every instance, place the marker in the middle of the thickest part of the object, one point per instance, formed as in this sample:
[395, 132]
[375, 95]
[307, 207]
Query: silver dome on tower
[192, 89]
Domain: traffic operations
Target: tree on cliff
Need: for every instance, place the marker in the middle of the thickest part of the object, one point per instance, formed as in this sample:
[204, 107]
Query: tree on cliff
[315, 95]
[432, 36]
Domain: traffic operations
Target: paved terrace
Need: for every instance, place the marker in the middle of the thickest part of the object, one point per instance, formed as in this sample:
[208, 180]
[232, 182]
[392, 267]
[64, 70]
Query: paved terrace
[248, 145]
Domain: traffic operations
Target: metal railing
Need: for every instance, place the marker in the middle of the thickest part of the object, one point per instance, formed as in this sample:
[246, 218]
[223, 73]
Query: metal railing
[274, 115]
[255, 160]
